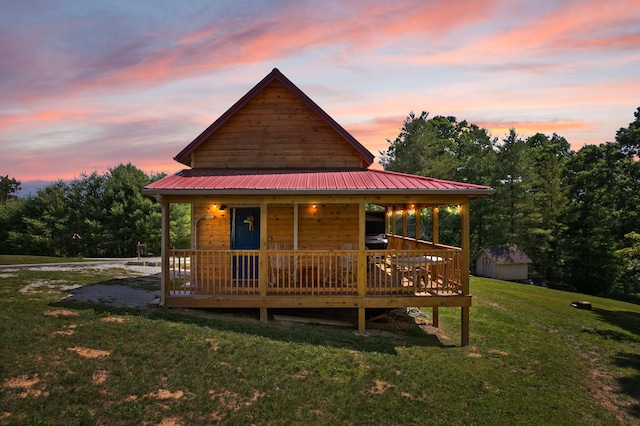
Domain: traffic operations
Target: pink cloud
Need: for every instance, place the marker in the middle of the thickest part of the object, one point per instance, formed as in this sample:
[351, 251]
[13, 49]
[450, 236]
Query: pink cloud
[41, 118]
[293, 28]
[373, 134]
[569, 27]
[73, 160]
[591, 24]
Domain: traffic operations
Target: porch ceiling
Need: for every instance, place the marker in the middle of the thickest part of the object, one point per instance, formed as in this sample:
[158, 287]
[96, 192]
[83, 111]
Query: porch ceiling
[307, 181]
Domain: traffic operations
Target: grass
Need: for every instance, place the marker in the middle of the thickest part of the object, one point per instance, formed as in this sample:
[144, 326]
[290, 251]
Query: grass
[19, 259]
[532, 360]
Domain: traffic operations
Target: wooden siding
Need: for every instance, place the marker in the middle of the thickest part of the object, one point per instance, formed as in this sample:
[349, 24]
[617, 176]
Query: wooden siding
[327, 226]
[212, 234]
[512, 272]
[485, 267]
[275, 130]
[280, 224]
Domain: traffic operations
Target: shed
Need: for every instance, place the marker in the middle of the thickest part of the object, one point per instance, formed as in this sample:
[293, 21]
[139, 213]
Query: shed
[502, 263]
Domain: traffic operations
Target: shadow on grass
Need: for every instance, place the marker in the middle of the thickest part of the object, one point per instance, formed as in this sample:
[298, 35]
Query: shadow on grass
[630, 384]
[626, 320]
[131, 296]
[629, 322]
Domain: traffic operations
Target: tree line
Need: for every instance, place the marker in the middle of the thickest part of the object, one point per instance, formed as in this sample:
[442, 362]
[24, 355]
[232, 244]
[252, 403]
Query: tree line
[96, 215]
[575, 213]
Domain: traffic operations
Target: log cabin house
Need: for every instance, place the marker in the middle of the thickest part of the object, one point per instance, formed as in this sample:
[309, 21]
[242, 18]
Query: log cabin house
[278, 193]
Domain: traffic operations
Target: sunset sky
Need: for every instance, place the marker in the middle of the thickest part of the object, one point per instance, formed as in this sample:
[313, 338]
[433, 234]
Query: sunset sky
[87, 85]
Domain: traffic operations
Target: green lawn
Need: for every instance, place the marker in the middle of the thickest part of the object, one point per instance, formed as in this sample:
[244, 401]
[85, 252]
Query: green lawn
[19, 259]
[532, 360]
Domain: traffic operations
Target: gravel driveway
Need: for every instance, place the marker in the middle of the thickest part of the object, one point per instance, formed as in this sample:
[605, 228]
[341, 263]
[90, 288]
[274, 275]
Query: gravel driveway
[137, 287]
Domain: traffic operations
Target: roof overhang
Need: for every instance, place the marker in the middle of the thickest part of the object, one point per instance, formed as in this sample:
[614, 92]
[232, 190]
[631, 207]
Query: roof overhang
[309, 182]
[372, 192]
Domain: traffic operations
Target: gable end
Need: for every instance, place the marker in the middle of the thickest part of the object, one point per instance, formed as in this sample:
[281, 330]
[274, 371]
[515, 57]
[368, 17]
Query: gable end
[275, 125]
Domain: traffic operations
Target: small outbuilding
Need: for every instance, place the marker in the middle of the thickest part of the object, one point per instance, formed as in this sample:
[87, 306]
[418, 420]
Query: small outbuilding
[502, 263]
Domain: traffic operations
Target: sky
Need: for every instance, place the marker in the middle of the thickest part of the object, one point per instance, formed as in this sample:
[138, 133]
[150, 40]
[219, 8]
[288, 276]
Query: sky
[88, 85]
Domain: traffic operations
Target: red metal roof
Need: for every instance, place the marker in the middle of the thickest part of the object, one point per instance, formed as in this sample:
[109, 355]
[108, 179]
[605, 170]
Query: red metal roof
[209, 181]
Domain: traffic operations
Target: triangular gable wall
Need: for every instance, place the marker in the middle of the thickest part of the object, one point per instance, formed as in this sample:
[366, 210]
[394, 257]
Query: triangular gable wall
[275, 126]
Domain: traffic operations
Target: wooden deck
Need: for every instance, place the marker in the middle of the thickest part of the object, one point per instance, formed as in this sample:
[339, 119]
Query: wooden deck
[321, 278]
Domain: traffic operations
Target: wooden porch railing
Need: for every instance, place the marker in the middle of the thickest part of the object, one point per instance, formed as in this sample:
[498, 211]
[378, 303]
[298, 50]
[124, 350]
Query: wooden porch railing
[421, 270]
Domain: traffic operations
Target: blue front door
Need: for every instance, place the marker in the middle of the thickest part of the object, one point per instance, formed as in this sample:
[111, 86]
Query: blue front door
[245, 235]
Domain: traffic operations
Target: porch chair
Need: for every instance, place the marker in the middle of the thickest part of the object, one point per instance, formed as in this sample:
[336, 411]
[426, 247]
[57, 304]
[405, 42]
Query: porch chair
[348, 265]
[282, 268]
[404, 270]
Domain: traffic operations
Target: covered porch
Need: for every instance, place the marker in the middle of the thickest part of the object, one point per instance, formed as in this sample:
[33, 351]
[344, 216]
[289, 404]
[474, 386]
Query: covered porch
[311, 253]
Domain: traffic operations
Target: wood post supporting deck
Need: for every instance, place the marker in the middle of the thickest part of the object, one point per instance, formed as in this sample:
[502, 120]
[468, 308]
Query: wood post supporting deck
[464, 322]
[465, 240]
[164, 248]
[361, 321]
[362, 267]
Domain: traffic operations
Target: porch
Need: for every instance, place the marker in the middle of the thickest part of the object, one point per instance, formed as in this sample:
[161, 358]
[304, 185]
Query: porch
[313, 255]
[390, 273]
[426, 275]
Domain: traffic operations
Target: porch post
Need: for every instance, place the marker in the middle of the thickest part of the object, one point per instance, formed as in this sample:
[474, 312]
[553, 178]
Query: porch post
[404, 221]
[435, 226]
[466, 241]
[416, 213]
[387, 226]
[164, 248]
[263, 263]
[296, 214]
[362, 267]
[435, 238]
[394, 230]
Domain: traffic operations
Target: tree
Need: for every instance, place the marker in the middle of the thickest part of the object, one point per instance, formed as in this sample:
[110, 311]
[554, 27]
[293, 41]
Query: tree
[629, 138]
[406, 153]
[131, 217]
[629, 256]
[477, 160]
[53, 211]
[444, 148]
[8, 188]
[593, 218]
[549, 157]
[10, 220]
[180, 217]
[87, 215]
[515, 212]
